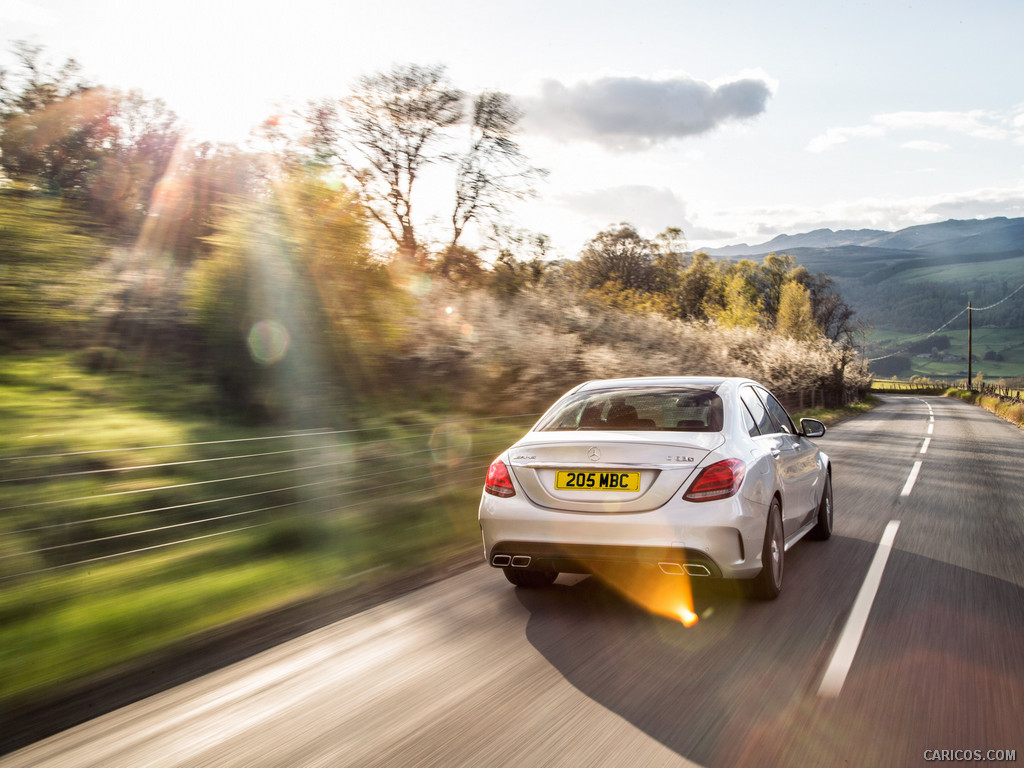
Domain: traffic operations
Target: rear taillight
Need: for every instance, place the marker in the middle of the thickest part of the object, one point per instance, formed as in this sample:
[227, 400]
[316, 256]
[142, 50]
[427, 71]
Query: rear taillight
[498, 481]
[719, 481]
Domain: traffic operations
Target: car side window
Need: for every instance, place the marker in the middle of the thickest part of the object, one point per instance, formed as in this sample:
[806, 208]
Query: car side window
[762, 421]
[748, 422]
[778, 413]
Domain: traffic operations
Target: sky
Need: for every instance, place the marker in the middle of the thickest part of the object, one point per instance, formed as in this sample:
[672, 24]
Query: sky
[734, 121]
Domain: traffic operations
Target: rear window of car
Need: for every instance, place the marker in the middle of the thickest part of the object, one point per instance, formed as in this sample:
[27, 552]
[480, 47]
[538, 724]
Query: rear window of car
[686, 409]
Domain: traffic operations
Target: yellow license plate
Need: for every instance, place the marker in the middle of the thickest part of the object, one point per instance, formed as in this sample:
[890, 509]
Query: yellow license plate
[568, 480]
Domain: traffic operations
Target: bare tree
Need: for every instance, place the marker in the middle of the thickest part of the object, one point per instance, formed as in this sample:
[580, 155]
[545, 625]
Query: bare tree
[384, 134]
[395, 124]
[494, 170]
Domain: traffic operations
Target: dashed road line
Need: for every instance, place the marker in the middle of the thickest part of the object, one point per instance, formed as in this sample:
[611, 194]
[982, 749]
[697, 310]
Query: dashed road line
[924, 447]
[909, 485]
[846, 649]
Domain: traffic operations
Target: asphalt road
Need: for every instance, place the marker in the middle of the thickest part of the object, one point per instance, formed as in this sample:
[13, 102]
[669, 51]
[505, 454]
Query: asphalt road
[470, 671]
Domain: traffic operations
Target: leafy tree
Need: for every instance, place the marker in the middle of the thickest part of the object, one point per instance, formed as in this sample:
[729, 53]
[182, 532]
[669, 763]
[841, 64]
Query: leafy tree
[511, 273]
[741, 307]
[460, 265]
[768, 280]
[795, 316]
[298, 259]
[36, 84]
[105, 148]
[621, 256]
[700, 287]
[832, 314]
[48, 255]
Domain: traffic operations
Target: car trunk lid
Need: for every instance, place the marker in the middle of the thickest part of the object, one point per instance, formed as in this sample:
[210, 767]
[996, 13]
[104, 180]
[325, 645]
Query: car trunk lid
[605, 472]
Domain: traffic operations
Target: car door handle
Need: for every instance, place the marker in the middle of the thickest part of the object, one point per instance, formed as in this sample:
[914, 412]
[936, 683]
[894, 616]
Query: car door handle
[776, 453]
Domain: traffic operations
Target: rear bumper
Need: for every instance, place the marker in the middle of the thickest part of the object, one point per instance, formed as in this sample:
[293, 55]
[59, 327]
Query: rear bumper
[724, 537]
[591, 558]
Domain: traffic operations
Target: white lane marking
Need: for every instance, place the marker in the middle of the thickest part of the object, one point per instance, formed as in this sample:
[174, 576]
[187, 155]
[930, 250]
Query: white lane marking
[909, 485]
[846, 649]
[924, 448]
[931, 428]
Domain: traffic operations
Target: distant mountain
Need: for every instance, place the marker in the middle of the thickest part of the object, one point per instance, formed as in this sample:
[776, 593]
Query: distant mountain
[819, 238]
[916, 279]
[949, 235]
[943, 238]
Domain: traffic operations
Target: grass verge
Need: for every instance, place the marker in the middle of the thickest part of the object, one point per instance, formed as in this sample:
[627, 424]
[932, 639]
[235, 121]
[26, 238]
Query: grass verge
[832, 416]
[1004, 409]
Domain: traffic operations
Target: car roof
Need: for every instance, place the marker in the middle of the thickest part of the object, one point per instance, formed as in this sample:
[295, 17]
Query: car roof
[661, 381]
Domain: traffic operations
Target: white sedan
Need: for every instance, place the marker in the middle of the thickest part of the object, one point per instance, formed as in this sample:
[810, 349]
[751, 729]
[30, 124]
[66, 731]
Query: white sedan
[698, 476]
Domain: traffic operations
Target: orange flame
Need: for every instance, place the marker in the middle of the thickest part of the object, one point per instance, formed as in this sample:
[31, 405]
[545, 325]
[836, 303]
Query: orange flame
[669, 596]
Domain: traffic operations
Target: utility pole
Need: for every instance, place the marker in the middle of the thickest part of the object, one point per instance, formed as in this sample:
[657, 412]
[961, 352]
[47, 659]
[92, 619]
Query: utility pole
[970, 348]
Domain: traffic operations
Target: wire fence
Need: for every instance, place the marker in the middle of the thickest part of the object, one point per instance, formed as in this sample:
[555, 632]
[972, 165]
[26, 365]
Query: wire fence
[61, 510]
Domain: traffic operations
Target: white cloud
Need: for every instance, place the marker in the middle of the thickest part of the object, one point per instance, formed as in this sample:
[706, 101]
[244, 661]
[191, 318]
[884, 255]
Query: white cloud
[926, 146]
[981, 124]
[630, 113]
[26, 12]
[833, 137]
[651, 209]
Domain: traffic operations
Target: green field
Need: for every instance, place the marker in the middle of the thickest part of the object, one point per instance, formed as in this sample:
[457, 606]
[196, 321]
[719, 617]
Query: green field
[1009, 343]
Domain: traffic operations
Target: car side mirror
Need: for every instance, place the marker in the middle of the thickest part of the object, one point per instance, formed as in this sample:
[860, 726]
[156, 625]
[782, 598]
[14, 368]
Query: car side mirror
[811, 428]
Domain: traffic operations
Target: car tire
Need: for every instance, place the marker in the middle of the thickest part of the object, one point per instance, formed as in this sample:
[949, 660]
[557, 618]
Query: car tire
[826, 514]
[523, 577]
[768, 583]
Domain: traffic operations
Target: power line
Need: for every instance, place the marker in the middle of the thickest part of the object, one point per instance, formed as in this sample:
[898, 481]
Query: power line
[943, 326]
[991, 306]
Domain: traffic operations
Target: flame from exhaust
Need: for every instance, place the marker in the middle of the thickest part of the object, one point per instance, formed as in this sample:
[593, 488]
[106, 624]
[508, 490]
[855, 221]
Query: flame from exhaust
[668, 596]
[687, 616]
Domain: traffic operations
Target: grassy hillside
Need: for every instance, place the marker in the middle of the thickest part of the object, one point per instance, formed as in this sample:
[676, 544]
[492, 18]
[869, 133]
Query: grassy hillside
[1009, 269]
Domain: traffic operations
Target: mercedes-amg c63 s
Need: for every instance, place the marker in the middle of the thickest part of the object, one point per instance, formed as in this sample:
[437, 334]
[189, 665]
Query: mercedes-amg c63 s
[699, 476]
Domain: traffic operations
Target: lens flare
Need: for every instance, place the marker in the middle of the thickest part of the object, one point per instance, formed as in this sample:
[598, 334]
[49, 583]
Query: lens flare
[268, 342]
[450, 444]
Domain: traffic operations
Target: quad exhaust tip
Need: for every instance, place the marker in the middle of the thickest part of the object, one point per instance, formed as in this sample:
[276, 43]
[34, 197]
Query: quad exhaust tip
[516, 561]
[678, 569]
